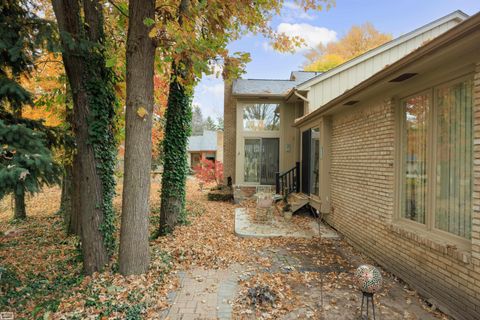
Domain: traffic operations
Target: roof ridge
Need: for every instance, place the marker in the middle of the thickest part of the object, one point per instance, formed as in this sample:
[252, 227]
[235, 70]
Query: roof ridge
[403, 37]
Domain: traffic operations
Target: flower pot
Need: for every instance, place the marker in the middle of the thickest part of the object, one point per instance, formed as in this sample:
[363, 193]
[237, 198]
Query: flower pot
[287, 215]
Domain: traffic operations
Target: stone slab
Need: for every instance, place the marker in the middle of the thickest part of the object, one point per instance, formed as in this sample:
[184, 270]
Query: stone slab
[245, 227]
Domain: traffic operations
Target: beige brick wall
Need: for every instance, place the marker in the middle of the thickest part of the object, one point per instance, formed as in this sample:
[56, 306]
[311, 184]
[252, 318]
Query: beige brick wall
[219, 156]
[362, 196]
[230, 132]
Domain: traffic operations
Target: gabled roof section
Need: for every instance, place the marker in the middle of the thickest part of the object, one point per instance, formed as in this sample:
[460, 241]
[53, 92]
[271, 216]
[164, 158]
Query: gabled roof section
[302, 76]
[449, 38]
[270, 87]
[205, 142]
[457, 15]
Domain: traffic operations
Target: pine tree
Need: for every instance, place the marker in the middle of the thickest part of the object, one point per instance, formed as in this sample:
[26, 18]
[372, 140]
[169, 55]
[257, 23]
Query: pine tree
[210, 124]
[197, 121]
[26, 162]
[220, 124]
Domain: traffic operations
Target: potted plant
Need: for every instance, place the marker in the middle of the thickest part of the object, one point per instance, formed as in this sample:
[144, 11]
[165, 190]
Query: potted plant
[287, 210]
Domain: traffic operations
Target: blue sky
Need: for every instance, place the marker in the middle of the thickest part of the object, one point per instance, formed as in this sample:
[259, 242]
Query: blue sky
[394, 17]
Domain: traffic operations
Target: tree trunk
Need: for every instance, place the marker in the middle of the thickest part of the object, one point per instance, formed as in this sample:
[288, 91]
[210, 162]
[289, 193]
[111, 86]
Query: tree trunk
[65, 198]
[134, 249]
[75, 220]
[90, 191]
[69, 202]
[70, 184]
[20, 212]
[177, 131]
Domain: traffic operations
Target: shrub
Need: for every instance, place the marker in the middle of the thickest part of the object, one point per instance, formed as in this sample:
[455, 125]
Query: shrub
[220, 193]
[209, 171]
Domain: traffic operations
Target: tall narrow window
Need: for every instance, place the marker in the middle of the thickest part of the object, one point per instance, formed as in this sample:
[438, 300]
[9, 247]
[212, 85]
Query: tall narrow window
[454, 159]
[252, 160]
[315, 162]
[416, 110]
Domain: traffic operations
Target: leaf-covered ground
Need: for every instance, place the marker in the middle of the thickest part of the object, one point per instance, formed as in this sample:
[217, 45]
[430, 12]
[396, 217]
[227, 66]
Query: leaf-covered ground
[41, 269]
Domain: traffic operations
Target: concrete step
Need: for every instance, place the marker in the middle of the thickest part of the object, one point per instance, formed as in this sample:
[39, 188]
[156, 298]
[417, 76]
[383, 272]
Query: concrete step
[298, 196]
[298, 204]
[298, 201]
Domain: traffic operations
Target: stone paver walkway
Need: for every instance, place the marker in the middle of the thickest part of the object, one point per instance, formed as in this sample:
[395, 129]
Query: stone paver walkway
[277, 227]
[204, 294]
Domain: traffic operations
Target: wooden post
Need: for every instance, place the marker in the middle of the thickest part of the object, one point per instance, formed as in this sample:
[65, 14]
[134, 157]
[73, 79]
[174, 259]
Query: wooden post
[277, 182]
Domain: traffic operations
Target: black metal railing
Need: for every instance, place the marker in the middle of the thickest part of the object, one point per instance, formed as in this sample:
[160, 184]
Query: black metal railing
[288, 181]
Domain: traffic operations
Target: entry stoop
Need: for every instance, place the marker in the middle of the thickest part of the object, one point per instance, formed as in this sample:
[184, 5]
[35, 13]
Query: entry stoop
[298, 201]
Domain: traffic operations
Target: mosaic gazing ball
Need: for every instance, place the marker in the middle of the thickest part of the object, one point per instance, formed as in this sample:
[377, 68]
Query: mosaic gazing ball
[368, 278]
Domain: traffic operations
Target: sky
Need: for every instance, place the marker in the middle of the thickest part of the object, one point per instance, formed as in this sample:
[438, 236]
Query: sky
[394, 17]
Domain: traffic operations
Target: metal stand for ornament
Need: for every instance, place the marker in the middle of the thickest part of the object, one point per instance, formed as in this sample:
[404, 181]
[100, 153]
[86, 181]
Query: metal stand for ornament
[369, 296]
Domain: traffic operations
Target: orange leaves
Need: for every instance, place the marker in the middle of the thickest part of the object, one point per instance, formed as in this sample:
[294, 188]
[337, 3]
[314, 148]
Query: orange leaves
[194, 35]
[48, 85]
[161, 87]
[357, 41]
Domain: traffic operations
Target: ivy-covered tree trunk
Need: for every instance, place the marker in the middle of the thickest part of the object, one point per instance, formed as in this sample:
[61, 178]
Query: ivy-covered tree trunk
[134, 255]
[177, 131]
[20, 211]
[94, 101]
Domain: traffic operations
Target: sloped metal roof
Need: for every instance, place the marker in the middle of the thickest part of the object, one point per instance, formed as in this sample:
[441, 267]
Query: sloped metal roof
[205, 142]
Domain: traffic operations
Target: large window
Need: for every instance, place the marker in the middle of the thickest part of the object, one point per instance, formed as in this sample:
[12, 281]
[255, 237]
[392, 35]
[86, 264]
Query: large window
[453, 199]
[437, 158]
[261, 117]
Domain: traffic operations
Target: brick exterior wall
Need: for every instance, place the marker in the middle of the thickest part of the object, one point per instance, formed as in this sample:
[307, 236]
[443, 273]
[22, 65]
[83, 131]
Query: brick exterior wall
[230, 132]
[362, 197]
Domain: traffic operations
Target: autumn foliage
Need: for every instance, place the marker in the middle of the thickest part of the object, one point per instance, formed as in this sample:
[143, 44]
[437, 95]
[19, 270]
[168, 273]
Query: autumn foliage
[358, 40]
[209, 171]
[161, 96]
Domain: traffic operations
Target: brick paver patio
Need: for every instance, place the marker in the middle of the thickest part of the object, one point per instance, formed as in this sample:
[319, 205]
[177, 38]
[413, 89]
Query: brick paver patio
[204, 294]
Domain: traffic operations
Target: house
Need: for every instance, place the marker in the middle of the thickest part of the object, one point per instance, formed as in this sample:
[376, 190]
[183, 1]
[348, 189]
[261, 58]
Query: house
[387, 148]
[207, 146]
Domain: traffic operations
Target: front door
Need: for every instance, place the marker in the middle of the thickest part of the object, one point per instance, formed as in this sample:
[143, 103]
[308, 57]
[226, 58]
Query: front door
[269, 165]
[261, 160]
[306, 156]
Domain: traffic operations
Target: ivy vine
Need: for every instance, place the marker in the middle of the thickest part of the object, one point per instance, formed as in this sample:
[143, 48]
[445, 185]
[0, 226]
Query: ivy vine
[177, 131]
[99, 83]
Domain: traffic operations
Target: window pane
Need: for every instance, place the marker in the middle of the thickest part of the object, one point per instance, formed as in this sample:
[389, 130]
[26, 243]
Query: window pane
[252, 160]
[454, 159]
[315, 162]
[261, 117]
[416, 111]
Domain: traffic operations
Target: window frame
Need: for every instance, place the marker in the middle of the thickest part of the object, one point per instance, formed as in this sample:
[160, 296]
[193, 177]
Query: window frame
[247, 104]
[428, 229]
[242, 134]
[312, 156]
